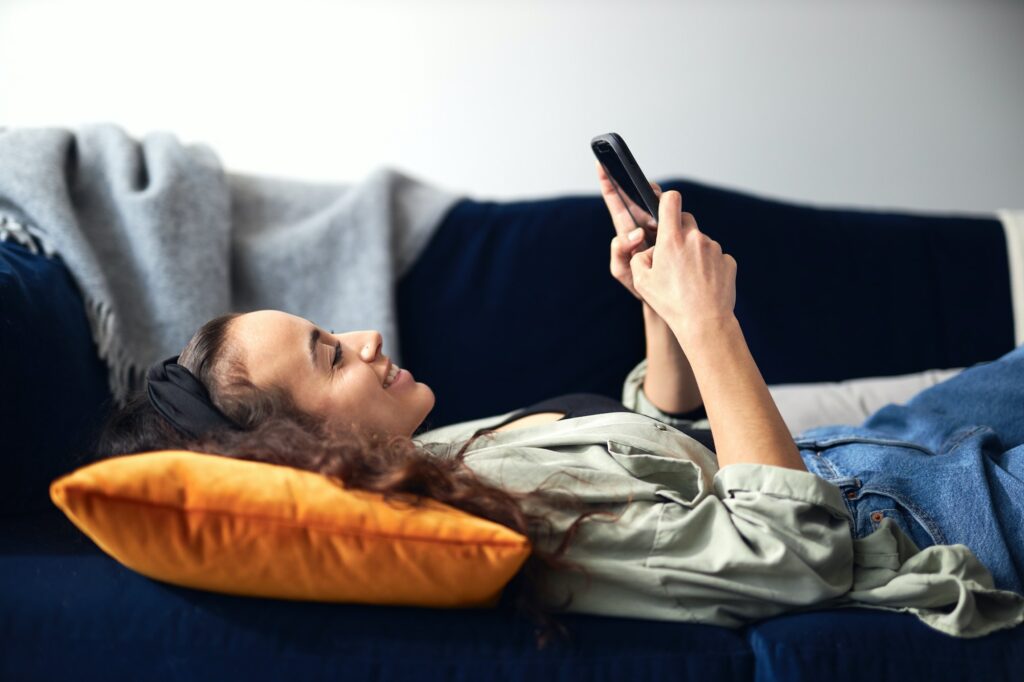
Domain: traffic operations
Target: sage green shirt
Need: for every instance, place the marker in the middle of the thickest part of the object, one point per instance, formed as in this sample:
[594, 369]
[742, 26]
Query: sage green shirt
[723, 546]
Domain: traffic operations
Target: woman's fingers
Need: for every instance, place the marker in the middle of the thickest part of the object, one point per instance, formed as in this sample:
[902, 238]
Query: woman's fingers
[625, 213]
[621, 253]
[616, 262]
[633, 239]
[622, 249]
[639, 265]
[670, 217]
[612, 199]
[602, 174]
[607, 188]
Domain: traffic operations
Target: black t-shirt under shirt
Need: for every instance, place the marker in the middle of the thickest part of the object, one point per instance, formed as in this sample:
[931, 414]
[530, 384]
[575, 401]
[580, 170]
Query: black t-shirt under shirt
[583, 404]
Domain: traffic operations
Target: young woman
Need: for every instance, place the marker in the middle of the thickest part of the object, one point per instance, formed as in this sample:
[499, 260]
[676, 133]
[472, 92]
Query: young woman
[895, 513]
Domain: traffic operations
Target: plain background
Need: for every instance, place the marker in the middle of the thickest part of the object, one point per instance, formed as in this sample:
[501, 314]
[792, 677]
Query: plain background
[899, 104]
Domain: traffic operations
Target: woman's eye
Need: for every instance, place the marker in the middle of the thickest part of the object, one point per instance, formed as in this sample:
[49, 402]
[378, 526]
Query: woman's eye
[337, 356]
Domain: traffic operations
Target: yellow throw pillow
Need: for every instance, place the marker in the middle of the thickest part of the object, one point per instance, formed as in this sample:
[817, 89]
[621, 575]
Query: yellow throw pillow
[264, 530]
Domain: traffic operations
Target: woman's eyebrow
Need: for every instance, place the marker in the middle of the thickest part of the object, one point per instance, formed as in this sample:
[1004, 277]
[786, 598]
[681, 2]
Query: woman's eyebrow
[314, 336]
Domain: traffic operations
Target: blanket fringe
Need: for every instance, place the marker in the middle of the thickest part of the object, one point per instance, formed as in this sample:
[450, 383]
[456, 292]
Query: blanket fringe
[124, 374]
[12, 230]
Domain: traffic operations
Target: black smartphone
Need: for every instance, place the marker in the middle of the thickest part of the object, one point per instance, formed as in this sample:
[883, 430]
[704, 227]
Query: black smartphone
[630, 183]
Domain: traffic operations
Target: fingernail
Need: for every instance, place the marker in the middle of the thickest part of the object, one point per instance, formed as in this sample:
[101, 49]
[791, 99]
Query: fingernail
[635, 234]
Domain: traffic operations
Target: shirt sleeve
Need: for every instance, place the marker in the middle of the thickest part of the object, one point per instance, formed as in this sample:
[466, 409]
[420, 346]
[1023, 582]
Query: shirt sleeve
[768, 540]
[634, 398]
[758, 541]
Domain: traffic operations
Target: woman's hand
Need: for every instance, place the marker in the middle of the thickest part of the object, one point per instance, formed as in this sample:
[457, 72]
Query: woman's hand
[669, 384]
[623, 246]
[687, 279]
[685, 276]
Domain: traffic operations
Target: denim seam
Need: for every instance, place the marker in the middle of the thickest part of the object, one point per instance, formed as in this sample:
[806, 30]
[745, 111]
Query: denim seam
[851, 517]
[825, 464]
[963, 437]
[832, 475]
[844, 440]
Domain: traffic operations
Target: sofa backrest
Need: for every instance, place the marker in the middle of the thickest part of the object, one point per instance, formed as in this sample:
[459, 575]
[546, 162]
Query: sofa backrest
[512, 302]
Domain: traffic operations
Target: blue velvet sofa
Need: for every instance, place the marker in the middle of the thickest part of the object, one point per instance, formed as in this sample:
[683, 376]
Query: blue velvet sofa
[822, 295]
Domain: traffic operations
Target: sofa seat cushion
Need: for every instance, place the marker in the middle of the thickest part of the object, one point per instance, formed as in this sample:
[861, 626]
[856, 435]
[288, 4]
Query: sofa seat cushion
[66, 607]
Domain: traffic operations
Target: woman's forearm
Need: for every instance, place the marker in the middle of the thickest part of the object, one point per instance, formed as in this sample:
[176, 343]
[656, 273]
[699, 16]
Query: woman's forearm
[669, 383]
[745, 421]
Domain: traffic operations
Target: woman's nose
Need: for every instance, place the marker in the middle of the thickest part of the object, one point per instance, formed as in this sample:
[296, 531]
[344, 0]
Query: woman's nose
[372, 348]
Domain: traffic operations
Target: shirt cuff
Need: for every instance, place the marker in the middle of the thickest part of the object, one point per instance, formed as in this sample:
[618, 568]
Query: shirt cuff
[634, 398]
[793, 484]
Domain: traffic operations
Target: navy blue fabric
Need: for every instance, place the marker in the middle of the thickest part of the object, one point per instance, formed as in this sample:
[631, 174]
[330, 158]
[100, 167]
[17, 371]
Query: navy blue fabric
[512, 302]
[860, 644]
[826, 294]
[67, 611]
[54, 385]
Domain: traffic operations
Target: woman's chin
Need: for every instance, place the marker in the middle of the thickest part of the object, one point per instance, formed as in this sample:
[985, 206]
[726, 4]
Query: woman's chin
[427, 389]
[426, 398]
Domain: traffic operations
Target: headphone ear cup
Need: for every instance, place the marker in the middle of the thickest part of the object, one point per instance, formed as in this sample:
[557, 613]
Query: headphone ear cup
[182, 399]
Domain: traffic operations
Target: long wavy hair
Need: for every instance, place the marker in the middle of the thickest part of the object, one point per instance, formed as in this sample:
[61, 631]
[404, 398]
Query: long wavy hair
[275, 431]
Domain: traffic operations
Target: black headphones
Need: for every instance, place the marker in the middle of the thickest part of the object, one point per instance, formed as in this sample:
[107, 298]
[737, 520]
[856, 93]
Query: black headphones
[183, 400]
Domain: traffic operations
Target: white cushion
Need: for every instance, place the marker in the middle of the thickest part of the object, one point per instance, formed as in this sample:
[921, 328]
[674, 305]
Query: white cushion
[805, 406]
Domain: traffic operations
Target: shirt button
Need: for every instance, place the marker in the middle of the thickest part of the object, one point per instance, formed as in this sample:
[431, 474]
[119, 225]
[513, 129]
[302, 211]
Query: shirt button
[661, 427]
[876, 516]
[850, 494]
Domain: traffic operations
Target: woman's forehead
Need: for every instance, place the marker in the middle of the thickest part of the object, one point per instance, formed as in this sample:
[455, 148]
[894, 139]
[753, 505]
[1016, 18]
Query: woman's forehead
[273, 343]
[268, 324]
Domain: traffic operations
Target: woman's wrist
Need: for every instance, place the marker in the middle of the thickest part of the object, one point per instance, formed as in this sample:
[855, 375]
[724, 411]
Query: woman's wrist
[669, 384]
[695, 338]
[651, 317]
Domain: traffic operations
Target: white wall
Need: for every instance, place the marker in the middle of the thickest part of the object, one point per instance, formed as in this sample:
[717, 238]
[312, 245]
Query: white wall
[899, 104]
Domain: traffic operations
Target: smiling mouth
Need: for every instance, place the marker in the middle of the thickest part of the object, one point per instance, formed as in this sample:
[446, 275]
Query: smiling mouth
[393, 372]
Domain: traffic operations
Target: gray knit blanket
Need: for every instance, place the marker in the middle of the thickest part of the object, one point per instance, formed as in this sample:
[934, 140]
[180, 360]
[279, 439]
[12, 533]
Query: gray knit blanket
[160, 238]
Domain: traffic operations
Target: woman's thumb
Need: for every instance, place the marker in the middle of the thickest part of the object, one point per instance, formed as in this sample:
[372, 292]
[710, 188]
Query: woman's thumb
[641, 259]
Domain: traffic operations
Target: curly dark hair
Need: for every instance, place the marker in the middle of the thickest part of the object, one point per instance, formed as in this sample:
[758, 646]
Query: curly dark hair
[275, 431]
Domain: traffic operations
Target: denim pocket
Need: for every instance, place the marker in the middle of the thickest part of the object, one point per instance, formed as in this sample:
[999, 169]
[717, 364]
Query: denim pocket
[872, 505]
[880, 477]
[814, 443]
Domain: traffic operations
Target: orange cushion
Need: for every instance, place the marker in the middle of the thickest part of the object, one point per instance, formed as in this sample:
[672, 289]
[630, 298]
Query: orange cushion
[265, 530]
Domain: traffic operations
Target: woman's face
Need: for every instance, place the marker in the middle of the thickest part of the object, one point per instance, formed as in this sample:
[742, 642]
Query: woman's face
[293, 353]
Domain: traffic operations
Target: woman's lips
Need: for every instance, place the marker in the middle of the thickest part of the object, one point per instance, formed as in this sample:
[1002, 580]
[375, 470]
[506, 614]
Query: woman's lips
[403, 377]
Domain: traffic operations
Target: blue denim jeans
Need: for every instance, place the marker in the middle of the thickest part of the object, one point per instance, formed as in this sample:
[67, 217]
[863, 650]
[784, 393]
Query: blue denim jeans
[947, 466]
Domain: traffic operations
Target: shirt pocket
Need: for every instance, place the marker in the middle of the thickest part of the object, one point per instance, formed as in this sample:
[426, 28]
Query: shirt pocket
[680, 480]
